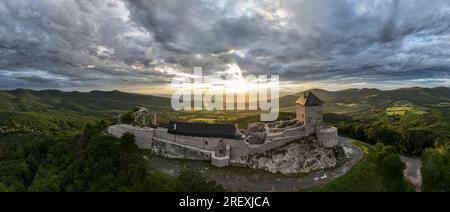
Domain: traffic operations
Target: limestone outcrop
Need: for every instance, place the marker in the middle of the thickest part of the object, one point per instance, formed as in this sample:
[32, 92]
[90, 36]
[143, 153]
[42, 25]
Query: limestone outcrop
[302, 156]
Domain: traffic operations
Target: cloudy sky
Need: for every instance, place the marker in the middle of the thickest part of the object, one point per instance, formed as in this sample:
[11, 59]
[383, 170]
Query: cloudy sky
[140, 45]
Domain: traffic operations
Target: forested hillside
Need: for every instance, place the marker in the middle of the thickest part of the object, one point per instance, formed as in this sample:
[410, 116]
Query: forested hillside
[56, 153]
[95, 103]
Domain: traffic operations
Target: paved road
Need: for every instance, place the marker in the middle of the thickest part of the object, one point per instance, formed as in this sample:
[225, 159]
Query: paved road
[241, 179]
[412, 171]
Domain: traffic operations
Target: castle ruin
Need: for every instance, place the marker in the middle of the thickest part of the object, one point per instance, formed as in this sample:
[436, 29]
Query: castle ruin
[225, 145]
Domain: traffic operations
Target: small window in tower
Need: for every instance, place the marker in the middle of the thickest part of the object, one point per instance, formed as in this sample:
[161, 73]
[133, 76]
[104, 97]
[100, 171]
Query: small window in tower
[206, 143]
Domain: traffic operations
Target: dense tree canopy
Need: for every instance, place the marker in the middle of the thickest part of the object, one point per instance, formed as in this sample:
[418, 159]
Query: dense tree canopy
[91, 161]
[411, 134]
[391, 166]
[436, 169]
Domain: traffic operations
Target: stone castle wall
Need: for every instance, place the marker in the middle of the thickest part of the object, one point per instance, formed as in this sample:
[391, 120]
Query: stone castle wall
[143, 136]
[328, 137]
[174, 150]
[202, 148]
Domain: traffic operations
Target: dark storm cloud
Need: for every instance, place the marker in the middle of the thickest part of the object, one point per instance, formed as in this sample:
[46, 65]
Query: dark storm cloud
[95, 43]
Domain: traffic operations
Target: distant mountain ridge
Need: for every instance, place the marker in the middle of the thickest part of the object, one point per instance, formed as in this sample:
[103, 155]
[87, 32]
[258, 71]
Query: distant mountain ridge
[42, 101]
[48, 100]
[415, 95]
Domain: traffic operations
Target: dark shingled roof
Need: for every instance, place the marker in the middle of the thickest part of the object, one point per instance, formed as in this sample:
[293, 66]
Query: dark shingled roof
[203, 129]
[309, 99]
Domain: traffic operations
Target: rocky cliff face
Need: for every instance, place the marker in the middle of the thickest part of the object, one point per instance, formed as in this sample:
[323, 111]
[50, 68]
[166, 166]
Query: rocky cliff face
[301, 156]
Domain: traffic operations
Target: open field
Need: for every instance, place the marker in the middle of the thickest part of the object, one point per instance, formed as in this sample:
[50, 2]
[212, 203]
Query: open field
[402, 110]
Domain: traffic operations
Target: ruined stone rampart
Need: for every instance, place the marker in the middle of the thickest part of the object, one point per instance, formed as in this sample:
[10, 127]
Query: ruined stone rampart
[205, 148]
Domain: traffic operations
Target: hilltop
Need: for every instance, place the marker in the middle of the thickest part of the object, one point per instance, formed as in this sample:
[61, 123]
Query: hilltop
[97, 103]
